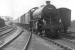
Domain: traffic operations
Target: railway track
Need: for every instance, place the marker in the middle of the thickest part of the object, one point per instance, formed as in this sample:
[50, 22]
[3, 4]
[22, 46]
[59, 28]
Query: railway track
[69, 40]
[65, 44]
[5, 28]
[28, 42]
[62, 43]
[7, 31]
[18, 37]
[72, 41]
[6, 37]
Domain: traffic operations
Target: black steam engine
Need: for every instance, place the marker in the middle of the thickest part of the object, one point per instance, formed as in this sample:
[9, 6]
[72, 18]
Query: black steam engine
[49, 21]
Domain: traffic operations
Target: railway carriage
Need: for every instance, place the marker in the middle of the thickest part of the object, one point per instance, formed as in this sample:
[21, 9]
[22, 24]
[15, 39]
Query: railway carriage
[65, 15]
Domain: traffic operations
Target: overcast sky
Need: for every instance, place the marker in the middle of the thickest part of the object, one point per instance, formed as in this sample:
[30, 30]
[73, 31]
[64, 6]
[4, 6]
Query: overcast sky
[15, 8]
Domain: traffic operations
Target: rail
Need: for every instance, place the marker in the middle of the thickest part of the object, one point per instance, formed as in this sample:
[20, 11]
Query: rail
[58, 44]
[9, 38]
[6, 32]
[4, 28]
[28, 42]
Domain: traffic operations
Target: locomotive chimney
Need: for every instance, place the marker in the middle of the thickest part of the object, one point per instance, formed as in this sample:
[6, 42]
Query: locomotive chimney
[47, 2]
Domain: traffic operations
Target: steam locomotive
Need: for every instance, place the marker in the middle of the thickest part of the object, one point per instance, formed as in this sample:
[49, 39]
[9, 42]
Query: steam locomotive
[48, 21]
